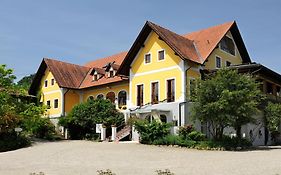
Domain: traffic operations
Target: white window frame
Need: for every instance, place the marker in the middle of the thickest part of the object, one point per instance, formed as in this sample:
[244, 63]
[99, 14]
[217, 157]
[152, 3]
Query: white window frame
[155, 81]
[46, 84]
[142, 95]
[216, 61]
[55, 103]
[150, 58]
[158, 55]
[166, 88]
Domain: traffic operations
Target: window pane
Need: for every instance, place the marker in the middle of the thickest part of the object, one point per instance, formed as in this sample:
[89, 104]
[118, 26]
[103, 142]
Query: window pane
[147, 58]
[227, 45]
[46, 83]
[139, 95]
[154, 93]
[161, 55]
[171, 90]
[53, 82]
[228, 63]
[218, 62]
[56, 103]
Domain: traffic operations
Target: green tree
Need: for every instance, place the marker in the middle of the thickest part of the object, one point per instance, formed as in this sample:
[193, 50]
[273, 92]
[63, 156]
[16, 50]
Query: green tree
[226, 98]
[273, 118]
[81, 121]
[26, 81]
[6, 77]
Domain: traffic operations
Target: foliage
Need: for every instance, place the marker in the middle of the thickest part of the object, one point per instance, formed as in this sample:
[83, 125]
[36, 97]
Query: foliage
[165, 172]
[273, 118]
[11, 141]
[6, 77]
[151, 131]
[106, 172]
[26, 81]
[197, 136]
[8, 122]
[226, 99]
[185, 130]
[33, 123]
[81, 121]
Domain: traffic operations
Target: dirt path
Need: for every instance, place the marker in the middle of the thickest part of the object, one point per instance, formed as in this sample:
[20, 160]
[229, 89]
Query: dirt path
[85, 158]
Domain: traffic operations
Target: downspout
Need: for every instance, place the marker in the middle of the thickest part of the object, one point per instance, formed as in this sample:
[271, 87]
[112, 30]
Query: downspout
[184, 102]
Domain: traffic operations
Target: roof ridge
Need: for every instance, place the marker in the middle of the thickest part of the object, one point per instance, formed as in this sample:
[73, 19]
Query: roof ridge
[52, 59]
[122, 52]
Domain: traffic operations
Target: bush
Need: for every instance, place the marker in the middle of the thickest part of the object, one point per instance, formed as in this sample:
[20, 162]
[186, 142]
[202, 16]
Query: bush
[81, 121]
[11, 141]
[149, 132]
[34, 125]
[196, 136]
[185, 130]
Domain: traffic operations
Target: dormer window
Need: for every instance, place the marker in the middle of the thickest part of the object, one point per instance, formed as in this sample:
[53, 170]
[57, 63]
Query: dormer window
[111, 74]
[95, 77]
[227, 45]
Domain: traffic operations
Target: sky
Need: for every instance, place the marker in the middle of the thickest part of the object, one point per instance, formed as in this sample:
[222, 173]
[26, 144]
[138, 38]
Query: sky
[79, 31]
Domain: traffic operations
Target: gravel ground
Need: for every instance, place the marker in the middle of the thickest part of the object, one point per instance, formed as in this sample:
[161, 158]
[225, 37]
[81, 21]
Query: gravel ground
[85, 158]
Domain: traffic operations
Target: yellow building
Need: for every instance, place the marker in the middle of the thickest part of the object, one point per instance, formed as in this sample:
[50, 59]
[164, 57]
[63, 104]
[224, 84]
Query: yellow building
[153, 80]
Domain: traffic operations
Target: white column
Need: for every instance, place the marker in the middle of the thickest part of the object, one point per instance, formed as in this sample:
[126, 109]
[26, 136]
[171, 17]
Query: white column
[135, 134]
[113, 132]
[103, 133]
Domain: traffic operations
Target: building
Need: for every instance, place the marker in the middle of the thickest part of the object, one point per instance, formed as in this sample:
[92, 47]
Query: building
[155, 78]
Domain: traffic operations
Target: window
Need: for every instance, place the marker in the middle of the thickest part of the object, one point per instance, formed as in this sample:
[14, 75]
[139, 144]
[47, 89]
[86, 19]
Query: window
[227, 45]
[111, 97]
[149, 118]
[147, 58]
[46, 83]
[171, 90]
[122, 97]
[90, 98]
[228, 63]
[95, 77]
[154, 93]
[111, 73]
[163, 118]
[100, 96]
[56, 103]
[48, 104]
[52, 82]
[161, 55]
[139, 95]
[218, 62]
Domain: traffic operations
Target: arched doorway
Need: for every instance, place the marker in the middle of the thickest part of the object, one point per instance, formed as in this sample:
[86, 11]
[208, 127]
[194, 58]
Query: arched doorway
[111, 96]
[90, 98]
[122, 99]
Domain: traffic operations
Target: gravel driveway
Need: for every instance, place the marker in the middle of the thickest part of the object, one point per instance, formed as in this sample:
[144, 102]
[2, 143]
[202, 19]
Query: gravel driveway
[85, 158]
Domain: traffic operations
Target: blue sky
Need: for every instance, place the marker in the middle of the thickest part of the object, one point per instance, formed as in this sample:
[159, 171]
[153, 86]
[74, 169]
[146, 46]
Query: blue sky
[83, 30]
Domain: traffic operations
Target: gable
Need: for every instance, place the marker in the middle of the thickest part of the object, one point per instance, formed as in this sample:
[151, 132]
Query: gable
[152, 46]
[235, 59]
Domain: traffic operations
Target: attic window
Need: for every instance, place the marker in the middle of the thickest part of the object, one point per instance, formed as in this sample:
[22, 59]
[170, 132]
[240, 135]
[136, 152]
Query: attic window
[95, 77]
[147, 58]
[52, 82]
[46, 83]
[227, 45]
[161, 55]
[218, 62]
[227, 63]
[111, 73]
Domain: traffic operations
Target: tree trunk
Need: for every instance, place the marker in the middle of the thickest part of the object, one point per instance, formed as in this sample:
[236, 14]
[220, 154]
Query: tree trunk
[238, 132]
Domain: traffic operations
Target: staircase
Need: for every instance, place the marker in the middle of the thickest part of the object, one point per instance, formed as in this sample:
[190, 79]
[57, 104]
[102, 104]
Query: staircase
[123, 133]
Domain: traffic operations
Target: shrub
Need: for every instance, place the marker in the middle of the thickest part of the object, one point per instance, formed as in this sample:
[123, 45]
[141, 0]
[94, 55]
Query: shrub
[107, 172]
[150, 132]
[11, 141]
[81, 121]
[165, 172]
[185, 130]
[196, 136]
[33, 124]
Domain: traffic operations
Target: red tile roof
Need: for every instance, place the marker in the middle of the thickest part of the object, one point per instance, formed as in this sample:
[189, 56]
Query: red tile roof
[207, 39]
